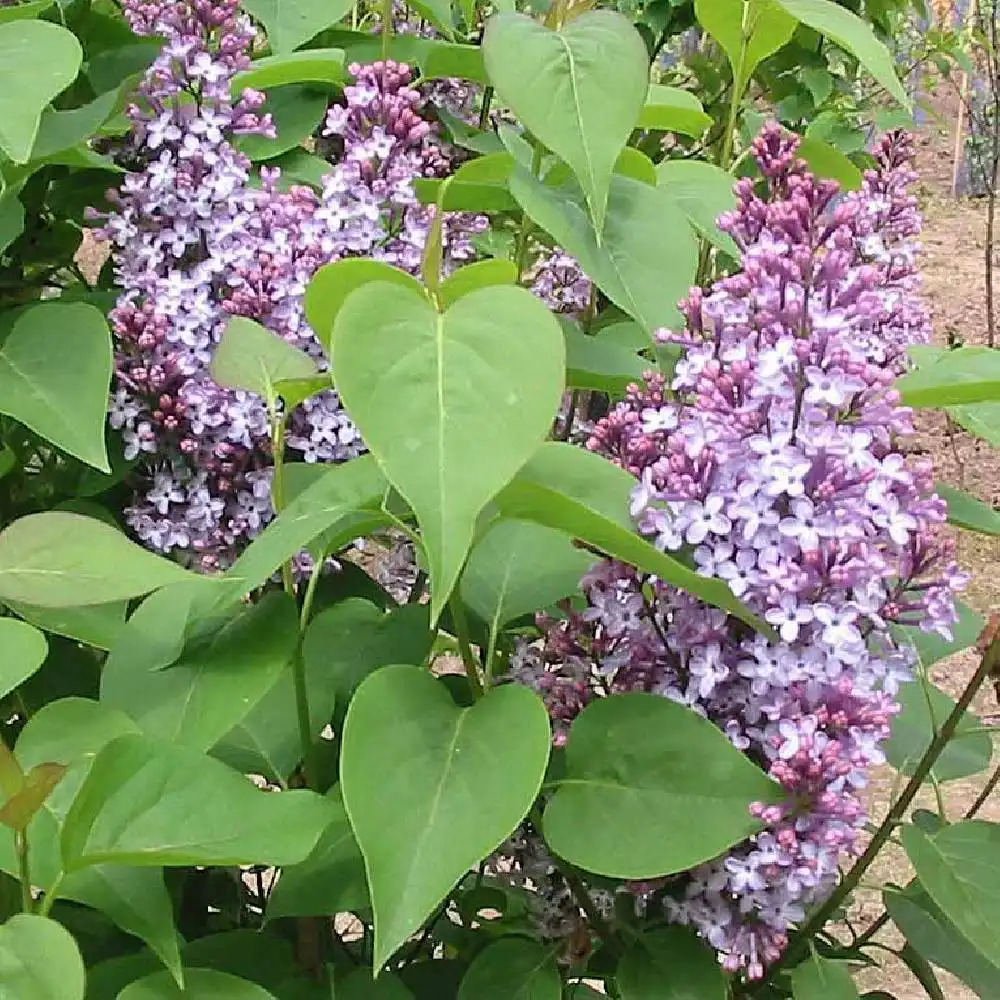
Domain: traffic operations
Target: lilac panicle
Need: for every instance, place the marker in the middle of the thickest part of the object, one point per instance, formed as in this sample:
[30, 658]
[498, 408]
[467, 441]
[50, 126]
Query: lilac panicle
[196, 240]
[771, 457]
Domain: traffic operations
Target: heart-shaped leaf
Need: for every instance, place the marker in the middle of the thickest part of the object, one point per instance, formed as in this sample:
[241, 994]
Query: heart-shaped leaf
[150, 803]
[957, 867]
[39, 960]
[24, 651]
[670, 964]
[331, 880]
[647, 255]
[671, 109]
[969, 512]
[62, 560]
[55, 369]
[291, 23]
[445, 797]
[579, 90]
[196, 699]
[451, 405]
[913, 730]
[95, 624]
[199, 984]
[650, 788]
[747, 30]
[512, 969]
[333, 283]
[519, 567]
[38, 60]
[251, 357]
[587, 497]
[310, 66]
[820, 978]
[937, 939]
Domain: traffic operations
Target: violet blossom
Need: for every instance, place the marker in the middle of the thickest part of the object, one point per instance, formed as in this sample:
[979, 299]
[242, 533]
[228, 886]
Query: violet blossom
[772, 458]
[195, 240]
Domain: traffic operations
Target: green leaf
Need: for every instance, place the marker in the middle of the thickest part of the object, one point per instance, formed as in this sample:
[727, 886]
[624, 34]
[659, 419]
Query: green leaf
[445, 797]
[826, 161]
[202, 694]
[646, 258]
[670, 109]
[55, 369]
[958, 869]
[922, 971]
[912, 732]
[931, 647]
[11, 218]
[24, 10]
[747, 30]
[650, 788]
[149, 803]
[96, 625]
[587, 497]
[297, 112]
[331, 880]
[481, 274]
[38, 60]
[819, 978]
[426, 390]
[937, 939]
[703, 191]
[291, 23]
[342, 501]
[39, 960]
[670, 964]
[981, 419]
[359, 985]
[438, 12]
[519, 567]
[310, 66]
[57, 560]
[579, 90]
[59, 130]
[512, 969]
[136, 899]
[347, 642]
[969, 512]
[333, 283]
[853, 35]
[299, 167]
[599, 363]
[199, 984]
[24, 651]
[251, 357]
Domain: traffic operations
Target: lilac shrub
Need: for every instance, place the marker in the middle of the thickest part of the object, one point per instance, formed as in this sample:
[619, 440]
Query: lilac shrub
[197, 239]
[772, 457]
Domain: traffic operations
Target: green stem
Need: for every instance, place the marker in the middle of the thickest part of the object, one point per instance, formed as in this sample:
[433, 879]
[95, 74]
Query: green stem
[988, 789]
[739, 84]
[278, 485]
[521, 246]
[989, 663]
[24, 870]
[465, 647]
[48, 900]
[386, 27]
[484, 110]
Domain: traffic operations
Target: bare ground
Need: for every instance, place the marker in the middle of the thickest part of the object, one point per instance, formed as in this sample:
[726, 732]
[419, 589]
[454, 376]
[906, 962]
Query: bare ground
[954, 270]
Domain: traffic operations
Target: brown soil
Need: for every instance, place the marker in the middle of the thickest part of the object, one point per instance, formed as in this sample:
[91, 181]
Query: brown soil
[954, 270]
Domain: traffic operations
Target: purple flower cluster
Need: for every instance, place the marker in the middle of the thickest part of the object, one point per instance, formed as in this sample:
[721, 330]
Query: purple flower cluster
[771, 459]
[196, 239]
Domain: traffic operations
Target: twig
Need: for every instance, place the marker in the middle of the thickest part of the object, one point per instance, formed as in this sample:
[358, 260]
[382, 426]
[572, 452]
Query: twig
[989, 647]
